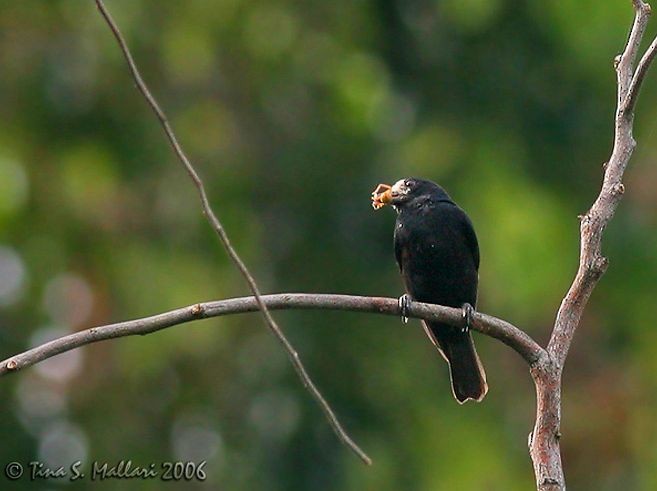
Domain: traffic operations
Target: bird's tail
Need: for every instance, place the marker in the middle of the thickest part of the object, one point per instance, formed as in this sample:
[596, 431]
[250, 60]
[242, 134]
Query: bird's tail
[466, 371]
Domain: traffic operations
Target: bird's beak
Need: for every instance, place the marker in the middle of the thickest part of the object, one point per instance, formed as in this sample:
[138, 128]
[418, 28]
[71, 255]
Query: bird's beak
[384, 194]
[398, 191]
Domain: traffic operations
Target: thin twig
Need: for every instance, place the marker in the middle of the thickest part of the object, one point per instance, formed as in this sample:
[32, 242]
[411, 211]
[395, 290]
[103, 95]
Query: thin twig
[639, 75]
[491, 326]
[219, 229]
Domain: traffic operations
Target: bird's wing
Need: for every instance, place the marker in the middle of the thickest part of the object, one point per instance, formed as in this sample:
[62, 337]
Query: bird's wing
[400, 250]
[471, 238]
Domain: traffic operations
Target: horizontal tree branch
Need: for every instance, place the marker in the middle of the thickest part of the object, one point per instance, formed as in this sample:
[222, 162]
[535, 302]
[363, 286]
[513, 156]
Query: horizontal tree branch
[486, 324]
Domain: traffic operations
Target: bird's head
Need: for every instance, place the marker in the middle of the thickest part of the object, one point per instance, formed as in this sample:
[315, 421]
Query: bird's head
[406, 191]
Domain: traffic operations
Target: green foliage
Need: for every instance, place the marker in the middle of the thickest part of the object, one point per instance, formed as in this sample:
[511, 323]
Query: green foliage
[293, 112]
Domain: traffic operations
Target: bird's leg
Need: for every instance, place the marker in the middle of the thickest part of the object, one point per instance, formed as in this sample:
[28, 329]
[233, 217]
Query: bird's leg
[404, 307]
[467, 313]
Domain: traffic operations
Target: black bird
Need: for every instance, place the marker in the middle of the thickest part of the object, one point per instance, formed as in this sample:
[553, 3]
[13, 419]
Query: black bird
[438, 256]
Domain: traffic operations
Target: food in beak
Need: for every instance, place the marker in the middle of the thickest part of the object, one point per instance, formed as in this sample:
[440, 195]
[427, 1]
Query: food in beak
[381, 196]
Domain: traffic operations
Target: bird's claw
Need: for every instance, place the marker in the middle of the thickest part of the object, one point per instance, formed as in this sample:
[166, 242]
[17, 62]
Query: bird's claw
[405, 307]
[467, 313]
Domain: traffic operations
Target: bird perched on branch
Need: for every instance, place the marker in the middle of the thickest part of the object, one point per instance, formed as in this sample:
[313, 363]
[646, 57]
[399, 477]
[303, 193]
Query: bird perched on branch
[438, 256]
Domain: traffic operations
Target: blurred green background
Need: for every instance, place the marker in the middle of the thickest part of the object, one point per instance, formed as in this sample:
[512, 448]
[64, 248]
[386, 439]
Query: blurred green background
[293, 111]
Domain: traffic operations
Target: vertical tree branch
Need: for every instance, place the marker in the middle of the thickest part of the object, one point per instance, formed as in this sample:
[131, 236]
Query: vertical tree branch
[544, 441]
[544, 438]
[592, 263]
[223, 237]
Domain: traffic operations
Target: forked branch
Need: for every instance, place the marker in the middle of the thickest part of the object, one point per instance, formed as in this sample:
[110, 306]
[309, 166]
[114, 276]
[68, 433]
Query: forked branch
[544, 441]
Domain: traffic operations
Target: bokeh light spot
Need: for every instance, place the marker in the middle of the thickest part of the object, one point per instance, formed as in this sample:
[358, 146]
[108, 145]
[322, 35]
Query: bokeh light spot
[68, 299]
[12, 276]
[61, 367]
[13, 186]
[61, 444]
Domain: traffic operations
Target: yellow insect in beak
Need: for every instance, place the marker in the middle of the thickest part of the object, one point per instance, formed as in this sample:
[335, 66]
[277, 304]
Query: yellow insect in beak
[381, 196]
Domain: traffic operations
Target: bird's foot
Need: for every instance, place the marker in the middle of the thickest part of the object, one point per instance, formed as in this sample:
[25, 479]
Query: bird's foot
[467, 313]
[405, 307]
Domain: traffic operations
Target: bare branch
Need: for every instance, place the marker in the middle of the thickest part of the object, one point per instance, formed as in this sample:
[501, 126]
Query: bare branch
[544, 442]
[592, 263]
[219, 229]
[491, 326]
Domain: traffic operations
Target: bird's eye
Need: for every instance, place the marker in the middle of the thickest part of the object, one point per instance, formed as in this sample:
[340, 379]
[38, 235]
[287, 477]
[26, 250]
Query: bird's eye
[409, 184]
